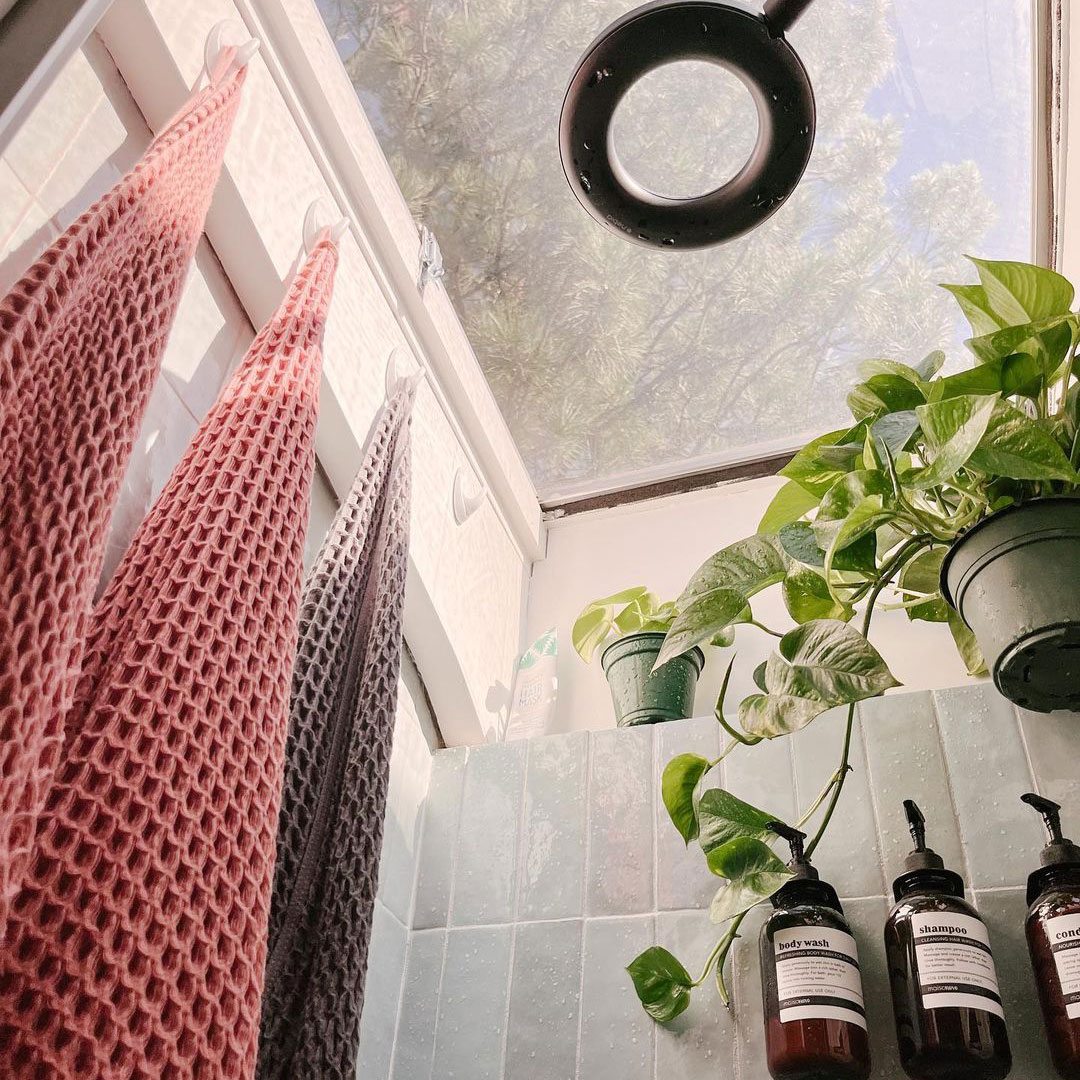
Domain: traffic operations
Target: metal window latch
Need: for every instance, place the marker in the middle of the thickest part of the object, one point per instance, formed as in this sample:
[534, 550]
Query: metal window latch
[431, 260]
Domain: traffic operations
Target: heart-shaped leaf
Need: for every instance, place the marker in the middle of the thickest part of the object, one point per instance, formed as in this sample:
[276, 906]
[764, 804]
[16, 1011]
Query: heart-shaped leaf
[807, 597]
[884, 394]
[753, 874]
[717, 594]
[952, 429]
[966, 645]
[788, 504]
[922, 575]
[1016, 446]
[819, 665]
[800, 543]
[1019, 292]
[663, 985]
[807, 468]
[681, 777]
[722, 818]
[894, 432]
[975, 305]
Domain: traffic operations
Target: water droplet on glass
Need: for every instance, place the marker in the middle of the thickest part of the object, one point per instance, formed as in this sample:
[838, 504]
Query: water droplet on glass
[586, 182]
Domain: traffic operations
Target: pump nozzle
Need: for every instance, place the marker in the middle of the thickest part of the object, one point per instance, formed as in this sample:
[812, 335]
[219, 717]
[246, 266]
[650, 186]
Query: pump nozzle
[800, 864]
[792, 836]
[1051, 815]
[916, 823]
[1059, 851]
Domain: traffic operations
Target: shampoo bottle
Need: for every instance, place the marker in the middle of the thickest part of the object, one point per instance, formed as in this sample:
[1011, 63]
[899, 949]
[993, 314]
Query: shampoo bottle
[949, 1021]
[815, 1024]
[1053, 934]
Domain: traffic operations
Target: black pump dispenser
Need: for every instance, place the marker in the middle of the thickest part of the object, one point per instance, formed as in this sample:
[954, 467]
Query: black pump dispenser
[805, 886]
[923, 863]
[1059, 853]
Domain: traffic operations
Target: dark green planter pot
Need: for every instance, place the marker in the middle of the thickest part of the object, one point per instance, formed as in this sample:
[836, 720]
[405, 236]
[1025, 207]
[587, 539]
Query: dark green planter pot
[1015, 580]
[641, 697]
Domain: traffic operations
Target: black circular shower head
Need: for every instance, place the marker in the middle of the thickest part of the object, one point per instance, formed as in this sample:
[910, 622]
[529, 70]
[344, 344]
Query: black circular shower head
[750, 46]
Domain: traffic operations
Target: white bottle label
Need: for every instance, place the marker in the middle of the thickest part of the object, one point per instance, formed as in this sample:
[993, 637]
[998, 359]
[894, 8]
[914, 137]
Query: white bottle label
[817, 975]
[954, 964]
[1064, 934]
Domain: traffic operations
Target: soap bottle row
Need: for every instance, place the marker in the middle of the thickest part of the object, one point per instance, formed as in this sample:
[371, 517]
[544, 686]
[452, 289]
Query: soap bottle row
[950, 1023]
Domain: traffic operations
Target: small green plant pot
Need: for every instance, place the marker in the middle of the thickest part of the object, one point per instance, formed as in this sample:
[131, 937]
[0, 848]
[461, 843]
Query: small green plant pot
[642, 696]
[1015, 580]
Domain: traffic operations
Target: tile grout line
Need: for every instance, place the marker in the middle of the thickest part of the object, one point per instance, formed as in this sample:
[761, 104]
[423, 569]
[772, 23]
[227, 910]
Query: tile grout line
[950, 786]
[584, 890]
[449, 909]
[875, 807]
[515, 901]
[1019, 721]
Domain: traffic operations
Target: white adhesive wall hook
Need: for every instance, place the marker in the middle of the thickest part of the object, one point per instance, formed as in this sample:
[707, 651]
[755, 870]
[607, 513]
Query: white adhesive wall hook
[323, 214]
[402, 372]
[468, 495]
[228, 32]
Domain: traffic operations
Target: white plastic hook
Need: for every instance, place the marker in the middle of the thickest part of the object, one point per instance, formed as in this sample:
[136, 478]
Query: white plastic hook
[468, 495]
[229, 32]
[323, 214]
[398, 376]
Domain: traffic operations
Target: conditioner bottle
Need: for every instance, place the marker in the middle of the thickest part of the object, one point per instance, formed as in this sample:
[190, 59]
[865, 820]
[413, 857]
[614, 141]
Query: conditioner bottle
[815, 1023]
[1053, 934]
[949, 1021]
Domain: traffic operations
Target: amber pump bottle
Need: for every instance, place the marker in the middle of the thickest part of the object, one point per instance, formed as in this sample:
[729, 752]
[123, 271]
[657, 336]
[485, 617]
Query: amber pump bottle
[815, 1024]
[949, 1021]
[1053, 934]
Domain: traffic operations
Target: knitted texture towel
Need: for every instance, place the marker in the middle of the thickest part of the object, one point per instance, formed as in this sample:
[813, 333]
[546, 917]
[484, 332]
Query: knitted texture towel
[81, 337]
[344, 697]
[137, 943]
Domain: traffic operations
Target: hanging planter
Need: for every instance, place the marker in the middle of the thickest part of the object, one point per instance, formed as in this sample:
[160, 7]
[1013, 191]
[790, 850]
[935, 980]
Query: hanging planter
[641, 695]
[1015, 580]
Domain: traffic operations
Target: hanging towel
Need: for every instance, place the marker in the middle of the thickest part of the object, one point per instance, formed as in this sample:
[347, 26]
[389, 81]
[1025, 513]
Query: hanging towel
[137, 944]
[344, 698]
[81, 337]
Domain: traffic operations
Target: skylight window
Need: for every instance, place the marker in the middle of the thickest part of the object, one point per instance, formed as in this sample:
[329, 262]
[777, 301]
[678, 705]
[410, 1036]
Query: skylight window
[616, 365]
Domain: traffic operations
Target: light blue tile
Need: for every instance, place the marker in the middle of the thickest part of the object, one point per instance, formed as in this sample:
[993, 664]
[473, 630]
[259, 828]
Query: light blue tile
[382, 993]
[745, 980]
[470, 1030]
[989, 772]
[619, 876]
[553, 844]
[485, 873]
[867, 920]
[699, 1043]
[683, 880]
[439, 838]
[544, 997]
[1004, 913]
[419, 1005]
[1053, 741]
[763, 775]
[906, 761]
[616, 1033]
[849, 856]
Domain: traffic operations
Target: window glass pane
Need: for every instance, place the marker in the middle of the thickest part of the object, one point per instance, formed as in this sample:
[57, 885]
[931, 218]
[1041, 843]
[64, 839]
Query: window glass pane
[613, 363]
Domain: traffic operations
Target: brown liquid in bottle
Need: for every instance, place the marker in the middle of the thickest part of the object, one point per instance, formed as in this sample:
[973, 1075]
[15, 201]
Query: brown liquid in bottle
[952, 1043]
[815, 1024]
[1053, 934]
[949, 1020]
[808, 1049]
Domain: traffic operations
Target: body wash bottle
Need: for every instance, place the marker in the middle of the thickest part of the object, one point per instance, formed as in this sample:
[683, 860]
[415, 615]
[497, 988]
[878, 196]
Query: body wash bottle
[949, 1021]
[815, 1024]
[1053, 934]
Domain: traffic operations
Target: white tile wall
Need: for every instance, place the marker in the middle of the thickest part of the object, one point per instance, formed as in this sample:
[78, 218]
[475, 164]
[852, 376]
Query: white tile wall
[544, 996]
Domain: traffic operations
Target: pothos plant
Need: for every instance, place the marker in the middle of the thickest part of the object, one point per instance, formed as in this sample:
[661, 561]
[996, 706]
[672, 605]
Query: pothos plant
[864, 520]
[632, 611]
